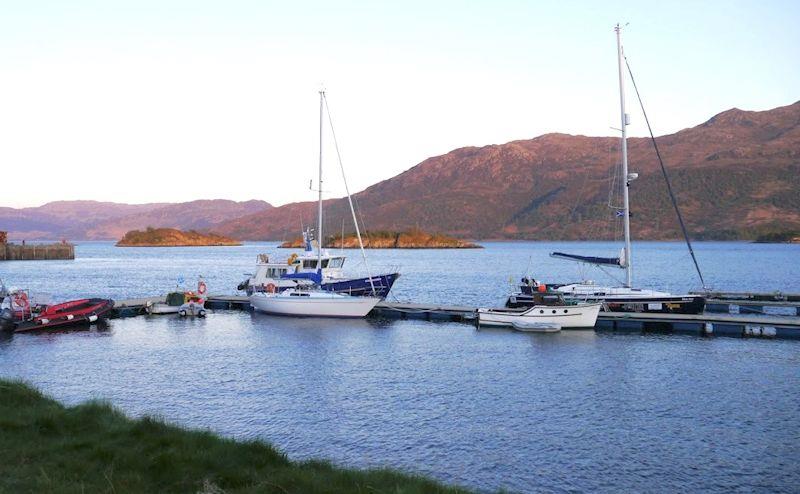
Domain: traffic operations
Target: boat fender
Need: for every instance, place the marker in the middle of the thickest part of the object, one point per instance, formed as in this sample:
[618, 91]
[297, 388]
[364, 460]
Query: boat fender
[182, 313]
[70, 317]
[93, 318]
[44, 321]
[201, 288]
[270, 288]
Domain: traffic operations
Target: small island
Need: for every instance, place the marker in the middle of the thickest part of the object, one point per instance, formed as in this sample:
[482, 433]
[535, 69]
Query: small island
[170, 237]
[779, 238]
[409, 239]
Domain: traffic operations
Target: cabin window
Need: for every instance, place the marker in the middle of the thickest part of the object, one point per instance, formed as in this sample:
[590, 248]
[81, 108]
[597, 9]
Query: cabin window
[310, 264]
[336, 262]
[324, 263]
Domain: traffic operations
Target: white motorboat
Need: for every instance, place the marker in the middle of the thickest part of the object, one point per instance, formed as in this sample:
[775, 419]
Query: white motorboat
[576, 316]
[314, 301]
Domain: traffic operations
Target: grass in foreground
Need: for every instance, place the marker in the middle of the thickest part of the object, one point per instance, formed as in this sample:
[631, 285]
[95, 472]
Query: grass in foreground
[46, 447]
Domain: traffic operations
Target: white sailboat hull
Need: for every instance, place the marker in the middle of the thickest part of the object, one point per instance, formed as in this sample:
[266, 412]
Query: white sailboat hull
[319, 304]
[566, 316]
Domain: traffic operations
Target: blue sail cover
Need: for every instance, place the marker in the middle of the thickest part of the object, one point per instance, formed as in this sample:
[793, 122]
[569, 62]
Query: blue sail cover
[605, 261]
[315, 277]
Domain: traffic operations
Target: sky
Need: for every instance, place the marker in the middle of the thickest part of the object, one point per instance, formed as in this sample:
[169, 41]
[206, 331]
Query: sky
[171, 101]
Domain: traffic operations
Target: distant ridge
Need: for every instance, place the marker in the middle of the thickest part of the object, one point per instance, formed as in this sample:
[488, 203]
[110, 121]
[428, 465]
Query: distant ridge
[93, 220]
[736, 176]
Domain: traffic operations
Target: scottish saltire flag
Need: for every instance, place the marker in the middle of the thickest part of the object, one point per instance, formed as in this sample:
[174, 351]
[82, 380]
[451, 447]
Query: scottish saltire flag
[620, 213]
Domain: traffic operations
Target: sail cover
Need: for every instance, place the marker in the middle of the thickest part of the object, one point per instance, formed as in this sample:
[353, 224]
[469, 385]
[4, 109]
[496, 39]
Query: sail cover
[604, 261]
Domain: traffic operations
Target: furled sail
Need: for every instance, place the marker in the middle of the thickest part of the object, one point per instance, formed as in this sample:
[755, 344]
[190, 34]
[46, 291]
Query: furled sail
[617, 262]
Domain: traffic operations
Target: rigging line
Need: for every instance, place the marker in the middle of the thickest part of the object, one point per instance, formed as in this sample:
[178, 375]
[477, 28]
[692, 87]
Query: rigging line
[666, 178]
[347, 189]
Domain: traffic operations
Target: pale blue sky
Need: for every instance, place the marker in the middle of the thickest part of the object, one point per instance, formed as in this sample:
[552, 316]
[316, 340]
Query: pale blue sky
[189, 100]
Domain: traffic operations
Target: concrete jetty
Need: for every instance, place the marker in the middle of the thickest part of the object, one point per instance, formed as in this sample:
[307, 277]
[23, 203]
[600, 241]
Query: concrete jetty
[34, 252]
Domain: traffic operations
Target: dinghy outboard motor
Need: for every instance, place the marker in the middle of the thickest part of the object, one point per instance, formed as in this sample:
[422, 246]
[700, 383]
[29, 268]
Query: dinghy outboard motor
[6, 320]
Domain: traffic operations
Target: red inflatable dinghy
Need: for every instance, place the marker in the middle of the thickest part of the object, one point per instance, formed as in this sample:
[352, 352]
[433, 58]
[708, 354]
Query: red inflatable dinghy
[75, 312]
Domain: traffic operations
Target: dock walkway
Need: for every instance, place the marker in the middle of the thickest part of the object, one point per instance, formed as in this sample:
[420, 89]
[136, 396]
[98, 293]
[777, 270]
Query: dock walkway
[707, 324]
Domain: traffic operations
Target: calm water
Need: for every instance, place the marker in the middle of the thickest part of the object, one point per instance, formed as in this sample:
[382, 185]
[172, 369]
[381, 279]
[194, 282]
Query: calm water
[575, 411]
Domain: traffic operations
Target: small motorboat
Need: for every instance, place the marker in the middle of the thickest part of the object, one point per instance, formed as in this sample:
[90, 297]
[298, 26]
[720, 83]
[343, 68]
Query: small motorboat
[549, 309]
[73, 313]
[171, 305]
[183, 303]
[536, 327]
[193, 306]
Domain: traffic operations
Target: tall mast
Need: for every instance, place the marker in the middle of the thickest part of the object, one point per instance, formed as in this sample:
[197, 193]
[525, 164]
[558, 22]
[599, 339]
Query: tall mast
[625, 200]
[319, 210]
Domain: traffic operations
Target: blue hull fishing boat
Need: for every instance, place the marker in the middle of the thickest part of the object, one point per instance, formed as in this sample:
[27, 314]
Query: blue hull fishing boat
[274, 276]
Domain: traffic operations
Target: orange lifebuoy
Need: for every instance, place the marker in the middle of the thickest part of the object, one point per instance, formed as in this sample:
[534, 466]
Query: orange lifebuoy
[201, 288]
[542, 288]
[270, 288]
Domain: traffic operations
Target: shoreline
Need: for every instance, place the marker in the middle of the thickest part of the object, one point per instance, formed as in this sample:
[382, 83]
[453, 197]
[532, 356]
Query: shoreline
[94, 447]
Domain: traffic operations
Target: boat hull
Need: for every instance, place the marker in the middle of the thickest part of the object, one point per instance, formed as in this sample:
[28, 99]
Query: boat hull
[671, 304]
[356, 287]
[159, 308]
[75, 313]
[581, 316]
[331, 306]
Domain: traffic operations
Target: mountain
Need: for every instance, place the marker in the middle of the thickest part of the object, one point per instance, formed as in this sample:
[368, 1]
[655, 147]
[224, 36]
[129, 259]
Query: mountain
[81, 220]
[735, 176]
[194, 215]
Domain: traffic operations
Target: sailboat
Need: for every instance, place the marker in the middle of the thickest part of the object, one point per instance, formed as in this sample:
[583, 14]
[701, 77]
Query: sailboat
[624, 298]
[312, 300]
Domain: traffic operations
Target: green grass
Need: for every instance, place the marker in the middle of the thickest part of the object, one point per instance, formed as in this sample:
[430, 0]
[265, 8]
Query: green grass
[47, 447]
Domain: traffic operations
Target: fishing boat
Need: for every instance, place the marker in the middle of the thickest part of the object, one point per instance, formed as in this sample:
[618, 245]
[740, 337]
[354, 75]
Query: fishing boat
[73, 313]
[307, 297]
[276, 275]
[624, 298]
[550, 311]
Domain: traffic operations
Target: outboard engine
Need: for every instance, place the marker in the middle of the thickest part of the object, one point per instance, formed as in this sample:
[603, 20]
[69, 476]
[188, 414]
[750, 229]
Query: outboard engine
[6, 320]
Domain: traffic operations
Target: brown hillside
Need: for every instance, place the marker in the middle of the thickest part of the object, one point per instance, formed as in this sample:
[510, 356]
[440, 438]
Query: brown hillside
[736, 175]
